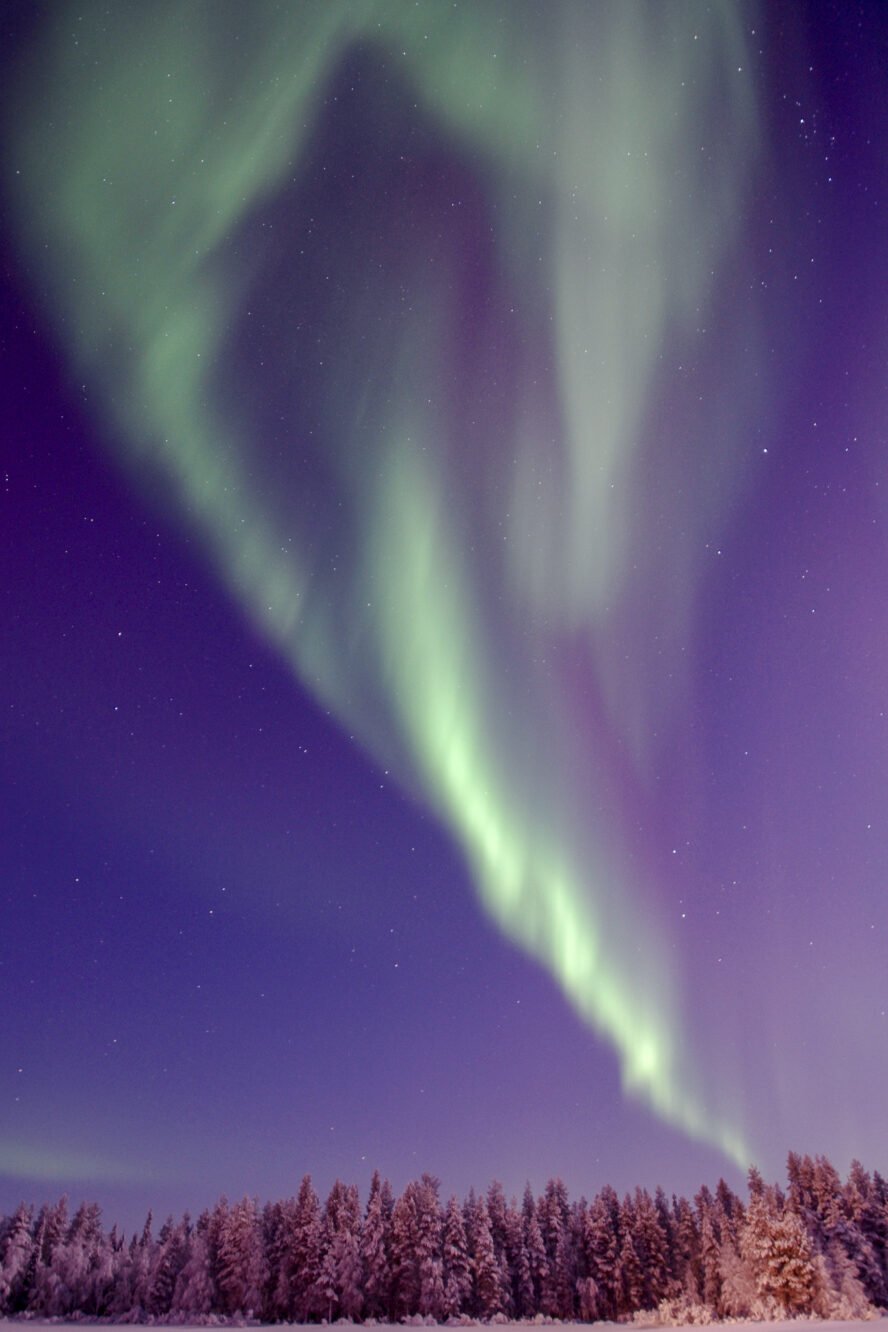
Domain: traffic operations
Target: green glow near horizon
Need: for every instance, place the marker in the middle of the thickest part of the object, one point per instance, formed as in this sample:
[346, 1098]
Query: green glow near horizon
[130, 188]
[23, 1162]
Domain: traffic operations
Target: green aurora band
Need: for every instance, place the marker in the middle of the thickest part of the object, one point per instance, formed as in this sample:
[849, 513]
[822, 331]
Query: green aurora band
[435, 638]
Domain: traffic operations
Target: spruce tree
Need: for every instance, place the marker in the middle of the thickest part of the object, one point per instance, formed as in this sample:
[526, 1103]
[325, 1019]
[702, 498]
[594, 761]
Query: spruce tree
[168, 1260]
[457, 1270]
[486, 1281]
[553, 1215]
[534, 1246]
[520, 1284]
[710, 1261]
[775, 1244]
[687, 1250]
[305, 1255]
[194, 1294]
[374, 1253]
[405, 1274]
[651, 1246]
[15, 1257]
[340, 1281]
[602, 1250]
[629, 1275]
[429, 1258]
[274, 1243]
[241, 1271]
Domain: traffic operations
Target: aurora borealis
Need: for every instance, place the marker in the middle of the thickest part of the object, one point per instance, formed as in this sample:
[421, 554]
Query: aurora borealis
[481, 411]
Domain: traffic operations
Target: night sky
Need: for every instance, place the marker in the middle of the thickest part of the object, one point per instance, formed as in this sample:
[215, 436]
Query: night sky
[445, 633]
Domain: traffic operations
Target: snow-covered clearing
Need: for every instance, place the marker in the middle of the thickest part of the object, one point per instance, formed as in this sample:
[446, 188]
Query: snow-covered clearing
[783, 1325]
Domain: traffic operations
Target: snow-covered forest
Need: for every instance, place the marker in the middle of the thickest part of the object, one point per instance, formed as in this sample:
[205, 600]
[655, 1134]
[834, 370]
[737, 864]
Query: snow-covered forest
[819, 1247]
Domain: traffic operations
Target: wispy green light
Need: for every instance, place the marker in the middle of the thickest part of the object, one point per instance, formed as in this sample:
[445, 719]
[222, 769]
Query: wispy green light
[586, 131]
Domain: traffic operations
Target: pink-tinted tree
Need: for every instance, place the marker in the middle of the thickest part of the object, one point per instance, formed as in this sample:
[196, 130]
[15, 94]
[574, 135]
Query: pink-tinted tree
[405, 1271]
[601, 1248]
[517, 1266]
[535, 1248]
[240, 1270]
[651, 1245]
[341, 1271]
[16, 1249]
[557, 1284]
[457, 1269]
[629, 1275]
[710, 1251]
[775, 1244]
[429, 1255]
[375, 1253]
[169, 1258]
[687, 1265]
[304, 1270]
[194, 1295]
[487, 1284]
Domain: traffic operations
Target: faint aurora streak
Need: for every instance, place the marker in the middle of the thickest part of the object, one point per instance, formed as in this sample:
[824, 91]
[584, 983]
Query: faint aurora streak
[44, 1163]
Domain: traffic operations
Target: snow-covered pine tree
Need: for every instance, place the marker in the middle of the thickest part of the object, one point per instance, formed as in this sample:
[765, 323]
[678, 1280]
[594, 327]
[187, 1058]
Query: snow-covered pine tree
[341, 1274]
[240, 1271]
[429, 1257]
[52, 1223]
[132, 1269]
[866, 1239]
[520, 1292]
[731, 1280]
[169, 1258]
[487, 1284]
[565, 1269]
[775, 1244]
[586, 1286]
[101, 1279]
[405, 1273]
[650, 1244]
[554, 1217]
[35, 1262]
[667, 1229]
[739, 1293]
[455, 1254]
[800, 1177]
[535, 1248]
[274, 1243]
[836, 1205]
[710, 1260]
[496, 1210]
[630, 1278]
[305, 1255]
[729, 1210]
[374, 1253]
[16, 1249]
[349, 1271]
[600, 1242]
[838, 1290]
[327, 1279]
[791, 1268]
[388, 1202]
[687, 1250]
[71, 1263]
[194, 1296]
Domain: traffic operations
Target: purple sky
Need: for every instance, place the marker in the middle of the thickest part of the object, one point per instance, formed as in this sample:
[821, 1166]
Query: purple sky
[244, 932]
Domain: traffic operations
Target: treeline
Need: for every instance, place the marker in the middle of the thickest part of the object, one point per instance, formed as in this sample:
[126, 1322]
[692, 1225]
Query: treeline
[819, 1247]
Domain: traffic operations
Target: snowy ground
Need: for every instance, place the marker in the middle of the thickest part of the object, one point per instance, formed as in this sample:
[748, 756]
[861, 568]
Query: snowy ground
[787, 1325]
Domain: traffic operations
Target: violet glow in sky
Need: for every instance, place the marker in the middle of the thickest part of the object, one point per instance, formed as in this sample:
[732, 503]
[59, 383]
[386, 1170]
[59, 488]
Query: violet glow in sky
[445, 514]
